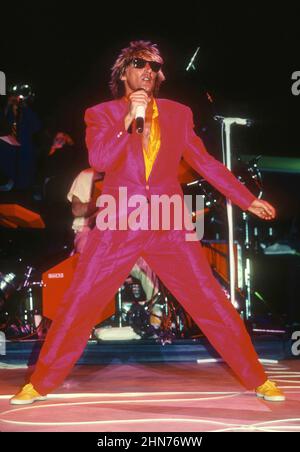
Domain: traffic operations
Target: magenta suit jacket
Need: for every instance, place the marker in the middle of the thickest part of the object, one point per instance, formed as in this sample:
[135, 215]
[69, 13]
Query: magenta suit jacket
[119, 153]
[109, 255]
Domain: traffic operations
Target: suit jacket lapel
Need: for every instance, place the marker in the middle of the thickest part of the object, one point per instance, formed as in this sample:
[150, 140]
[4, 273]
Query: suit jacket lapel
[162, 118]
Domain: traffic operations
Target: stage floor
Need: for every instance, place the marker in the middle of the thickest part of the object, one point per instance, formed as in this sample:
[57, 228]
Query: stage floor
[162, 397]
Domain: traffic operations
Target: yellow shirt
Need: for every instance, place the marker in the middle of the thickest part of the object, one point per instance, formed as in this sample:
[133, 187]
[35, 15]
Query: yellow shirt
[151, 152]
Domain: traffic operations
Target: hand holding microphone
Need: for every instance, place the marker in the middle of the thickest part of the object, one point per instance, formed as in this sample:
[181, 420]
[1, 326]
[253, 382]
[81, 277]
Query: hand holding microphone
[138, 102]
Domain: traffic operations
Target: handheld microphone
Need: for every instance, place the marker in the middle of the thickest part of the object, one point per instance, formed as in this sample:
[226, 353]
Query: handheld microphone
[140, 118]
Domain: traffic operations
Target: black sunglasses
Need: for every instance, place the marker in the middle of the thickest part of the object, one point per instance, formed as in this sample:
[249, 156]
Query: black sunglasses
[140, 63]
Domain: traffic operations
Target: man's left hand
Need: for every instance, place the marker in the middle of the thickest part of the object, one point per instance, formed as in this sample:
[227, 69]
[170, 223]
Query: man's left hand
[262, 209]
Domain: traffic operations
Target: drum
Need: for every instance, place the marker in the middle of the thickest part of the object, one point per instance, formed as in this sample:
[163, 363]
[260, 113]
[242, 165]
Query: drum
[31, 304]
[132, 290]
[161, 318]
[9, 283]
[20, 301]
[11, 280]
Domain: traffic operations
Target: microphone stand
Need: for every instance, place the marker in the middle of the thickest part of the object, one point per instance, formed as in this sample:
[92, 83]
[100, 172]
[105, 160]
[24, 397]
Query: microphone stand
[227, 123]
[191, 63]
[226, 151]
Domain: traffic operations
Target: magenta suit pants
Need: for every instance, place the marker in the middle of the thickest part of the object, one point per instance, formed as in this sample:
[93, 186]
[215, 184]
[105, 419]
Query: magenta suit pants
[182, 266]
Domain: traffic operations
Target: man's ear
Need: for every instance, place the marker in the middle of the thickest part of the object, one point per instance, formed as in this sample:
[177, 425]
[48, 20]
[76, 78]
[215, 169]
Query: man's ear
[123, 75]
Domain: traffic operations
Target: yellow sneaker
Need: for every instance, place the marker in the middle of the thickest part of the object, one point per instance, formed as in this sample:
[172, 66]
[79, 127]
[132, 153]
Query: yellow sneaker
[27, 395]
[270, 392]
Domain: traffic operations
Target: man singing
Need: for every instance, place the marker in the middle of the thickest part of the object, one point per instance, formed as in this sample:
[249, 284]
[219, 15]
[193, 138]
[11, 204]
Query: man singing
[146, 164]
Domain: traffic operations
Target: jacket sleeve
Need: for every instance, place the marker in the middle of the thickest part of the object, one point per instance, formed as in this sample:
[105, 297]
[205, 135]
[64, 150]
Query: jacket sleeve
[212, 170]
[106, 141]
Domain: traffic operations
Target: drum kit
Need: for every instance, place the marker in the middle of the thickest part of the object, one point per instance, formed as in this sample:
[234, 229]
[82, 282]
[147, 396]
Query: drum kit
[161, 318]
[20, 302]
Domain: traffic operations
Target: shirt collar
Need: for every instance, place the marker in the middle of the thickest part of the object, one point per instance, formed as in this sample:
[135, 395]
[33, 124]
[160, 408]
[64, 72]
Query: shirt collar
[154, 111]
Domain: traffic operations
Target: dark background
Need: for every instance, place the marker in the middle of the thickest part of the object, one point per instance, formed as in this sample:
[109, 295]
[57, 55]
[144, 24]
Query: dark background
[247, 56]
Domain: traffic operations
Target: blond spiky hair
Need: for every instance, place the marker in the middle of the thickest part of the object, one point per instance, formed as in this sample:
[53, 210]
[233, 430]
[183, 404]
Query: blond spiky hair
[135, 49]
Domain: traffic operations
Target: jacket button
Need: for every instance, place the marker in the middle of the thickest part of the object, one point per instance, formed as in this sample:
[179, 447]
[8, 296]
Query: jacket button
[147, 187]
